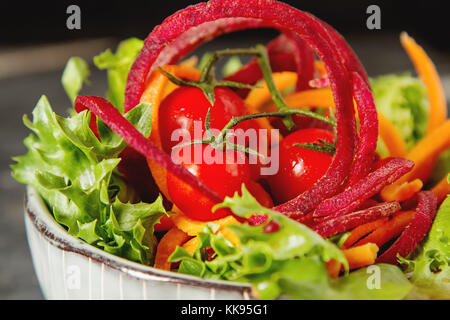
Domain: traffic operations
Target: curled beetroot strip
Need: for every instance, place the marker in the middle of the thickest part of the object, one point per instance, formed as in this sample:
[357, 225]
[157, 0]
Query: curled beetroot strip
[415, 231]
[365, 188]
[345, 52]
[333, 226]
[112, 117]
[283, 17]
[368, 132]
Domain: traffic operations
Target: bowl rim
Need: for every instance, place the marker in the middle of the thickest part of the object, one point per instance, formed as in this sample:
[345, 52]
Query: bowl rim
[43, 222]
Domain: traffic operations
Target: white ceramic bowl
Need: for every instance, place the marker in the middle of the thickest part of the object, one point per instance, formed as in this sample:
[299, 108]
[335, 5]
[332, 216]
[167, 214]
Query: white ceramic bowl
[68, 268]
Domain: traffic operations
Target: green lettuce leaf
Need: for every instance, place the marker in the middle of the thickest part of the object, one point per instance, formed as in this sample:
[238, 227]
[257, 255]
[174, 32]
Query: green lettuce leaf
[77, 176]
[430, 264]
[118, 66]
[75, 74]
[441, 168]
[289, 262]
[402, 99]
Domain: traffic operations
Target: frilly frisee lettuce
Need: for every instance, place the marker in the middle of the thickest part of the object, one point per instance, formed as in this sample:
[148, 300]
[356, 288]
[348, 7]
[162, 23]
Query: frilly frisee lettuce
[117, 65]
[430, 264]
[402, 99]
[77, 176]
[289, 262]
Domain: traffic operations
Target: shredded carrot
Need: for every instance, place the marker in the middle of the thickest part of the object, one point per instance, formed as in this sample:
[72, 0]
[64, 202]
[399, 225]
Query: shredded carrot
[191, 245]
[333, 268]
[430, 77]
[320, 67]
[173, 238]
[258, 97]
[389, 230]
[391, 137]
[361, 231]
[193, 227]
[361, 256]
[357, 257]
[424, 154]
[401, 191]
[153, 94]
[323, 98]
[442, 189]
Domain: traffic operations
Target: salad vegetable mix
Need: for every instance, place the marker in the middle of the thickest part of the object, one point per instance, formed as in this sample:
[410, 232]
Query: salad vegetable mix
[295, 173]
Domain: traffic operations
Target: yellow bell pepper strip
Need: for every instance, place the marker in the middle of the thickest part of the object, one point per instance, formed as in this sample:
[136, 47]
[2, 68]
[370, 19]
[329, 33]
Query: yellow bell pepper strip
[424, 154]
[430, 77]
[361, 256]
[260, 96]
[173, 238]
[442, 189]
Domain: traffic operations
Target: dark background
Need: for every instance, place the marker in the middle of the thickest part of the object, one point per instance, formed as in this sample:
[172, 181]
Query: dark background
[35, 43]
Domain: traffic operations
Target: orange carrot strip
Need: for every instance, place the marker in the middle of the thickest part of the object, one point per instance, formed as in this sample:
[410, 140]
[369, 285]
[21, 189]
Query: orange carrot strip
[260, 96]
[430, 77]
[401, 192]
[389, 230]
[320, 66]
[193, 227]
[357, 257]
[153, 94]
[424, 154]
[173, 238]
[333, 268]
[442, 189]
[323, 98]
[361, 231]
[391, 137]
[361, 256]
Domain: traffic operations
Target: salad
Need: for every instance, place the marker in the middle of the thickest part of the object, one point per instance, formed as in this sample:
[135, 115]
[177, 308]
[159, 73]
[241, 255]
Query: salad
[295, 172]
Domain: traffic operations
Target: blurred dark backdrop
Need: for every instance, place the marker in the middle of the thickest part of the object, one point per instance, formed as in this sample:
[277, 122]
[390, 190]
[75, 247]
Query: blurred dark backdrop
[35, 44]
[44, 21]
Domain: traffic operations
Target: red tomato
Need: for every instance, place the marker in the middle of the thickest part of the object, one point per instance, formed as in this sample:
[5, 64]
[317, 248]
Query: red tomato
[187, 104]
[225, 178]
[299, 168]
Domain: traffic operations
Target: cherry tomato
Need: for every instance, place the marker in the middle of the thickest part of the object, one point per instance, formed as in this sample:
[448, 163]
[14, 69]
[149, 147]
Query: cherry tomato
[225, 178]
[187, 104]
[299, 168]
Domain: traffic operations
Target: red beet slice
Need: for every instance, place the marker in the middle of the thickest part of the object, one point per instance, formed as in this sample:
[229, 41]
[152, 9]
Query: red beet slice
[368, 132]
[365, 188]
[112, 117]
[270, 14]
[415, 232]
[333, 226]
